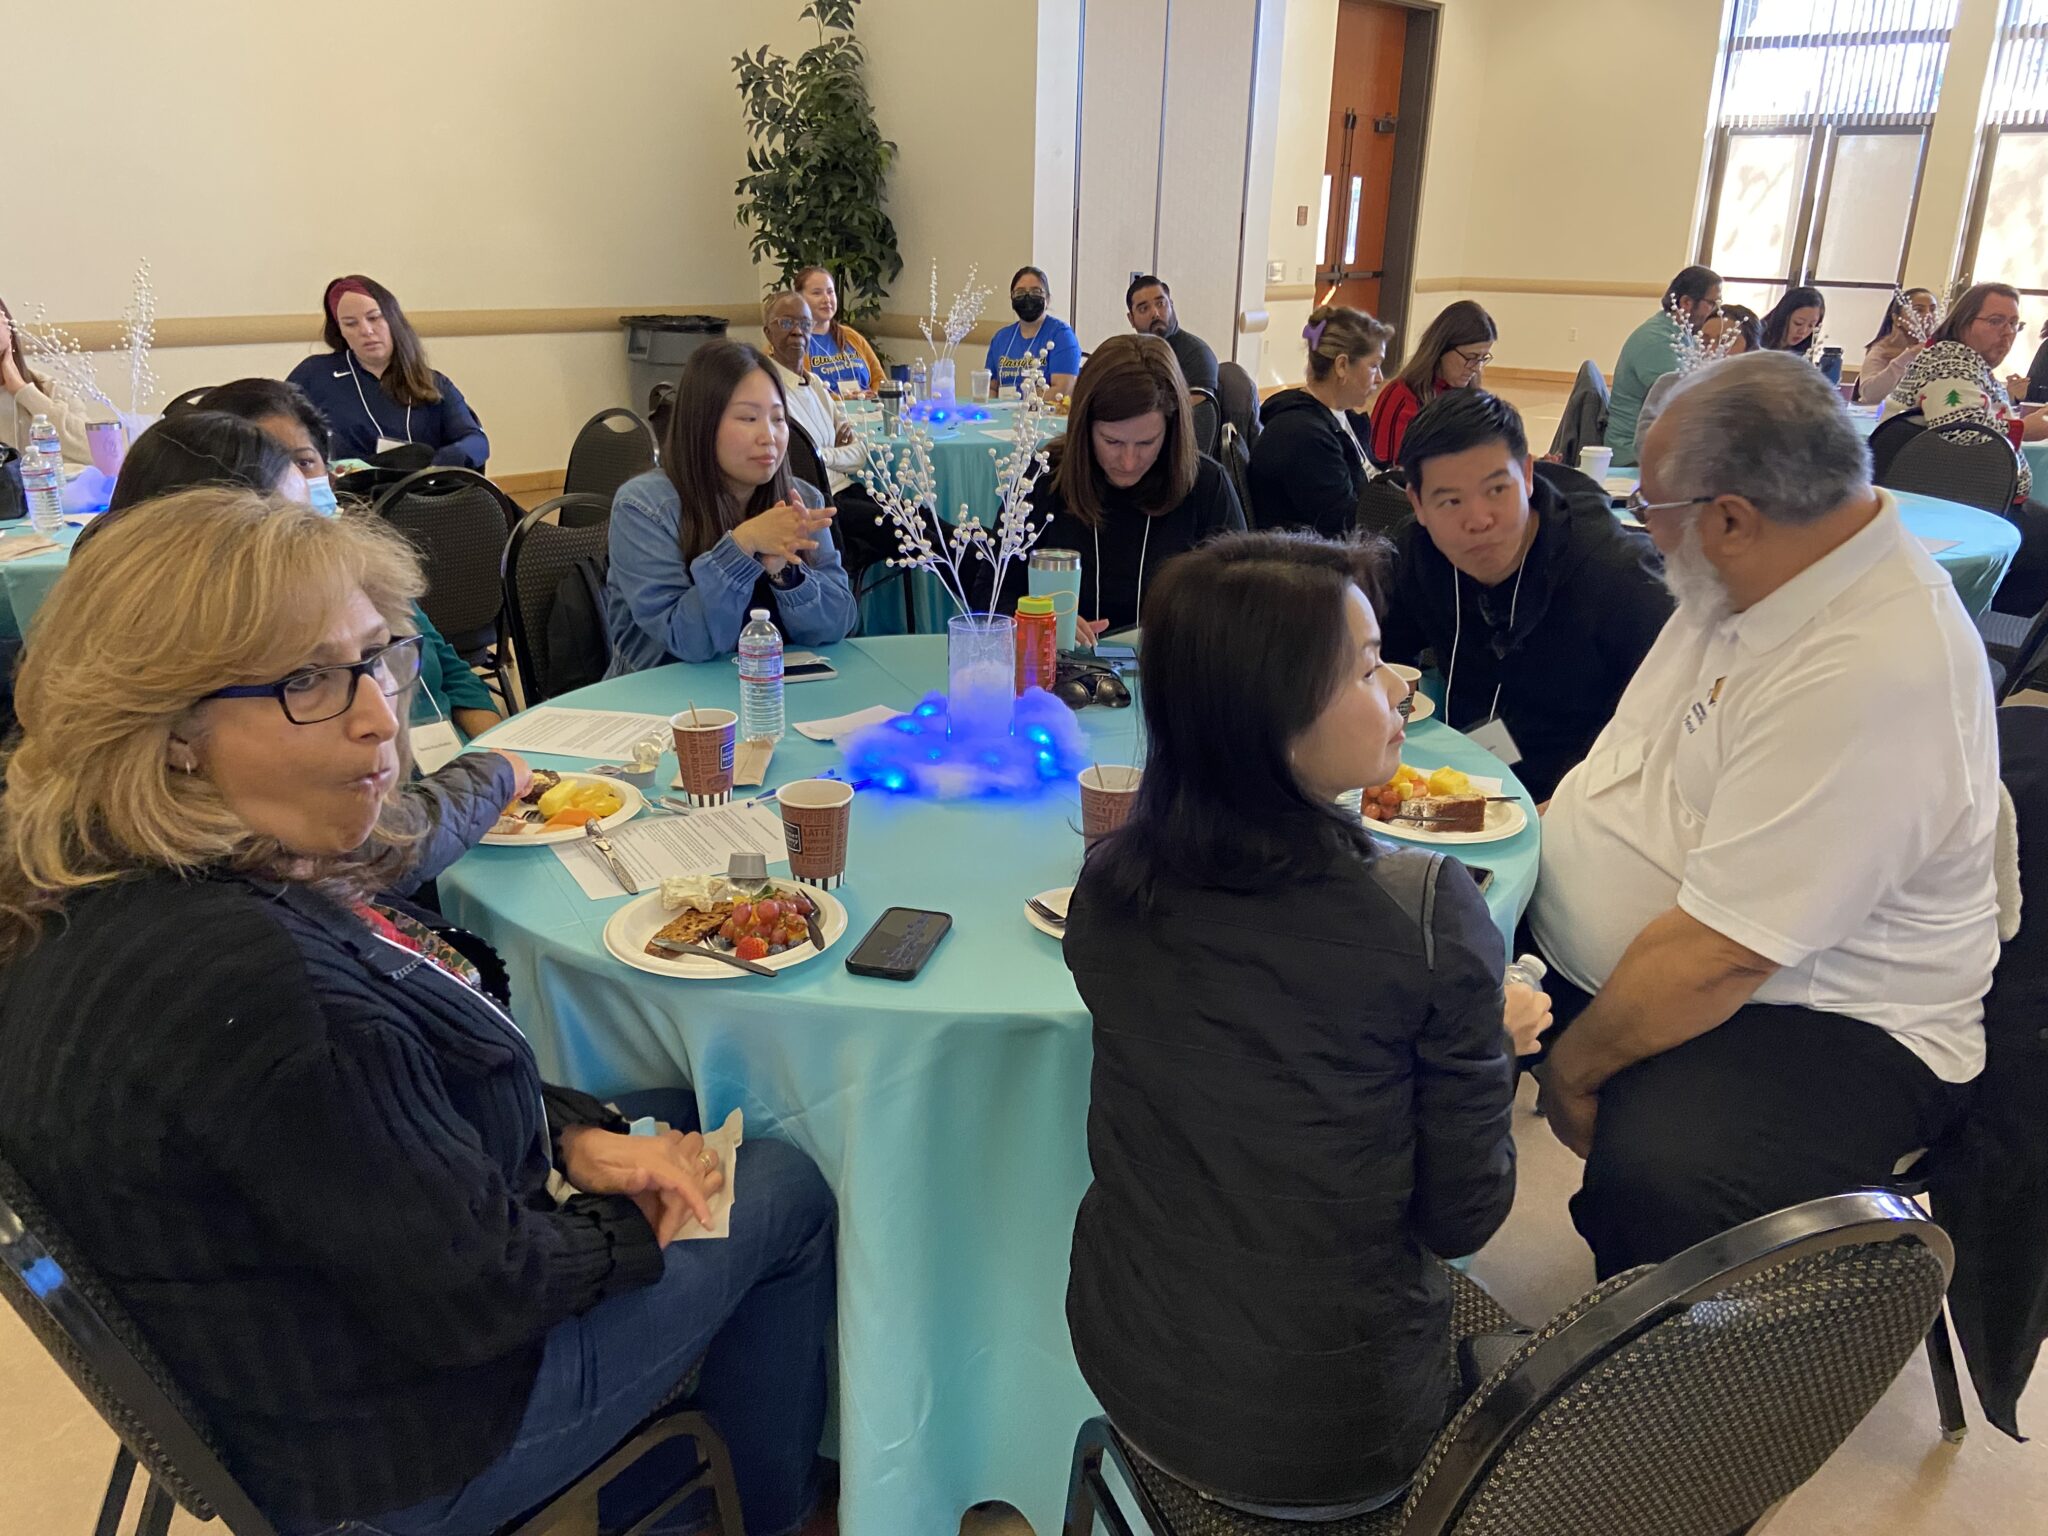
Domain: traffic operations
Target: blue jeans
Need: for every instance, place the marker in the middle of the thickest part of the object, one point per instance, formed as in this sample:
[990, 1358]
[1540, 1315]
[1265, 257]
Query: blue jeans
[757, 1307]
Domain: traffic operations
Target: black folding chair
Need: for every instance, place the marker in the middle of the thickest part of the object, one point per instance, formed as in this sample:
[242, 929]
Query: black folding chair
[1237, 397]
[2015, 646]
[1208, 418]
[1687, 1399]
[543, 550]
[76, 1317]
[1975, 467]
[1383, 505]
[1892, 434]
[458, 521]
[610, 449]
[1234, 454]
[804, 463]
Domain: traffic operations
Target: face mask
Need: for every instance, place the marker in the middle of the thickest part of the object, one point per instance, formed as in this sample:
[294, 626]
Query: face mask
[1028, 306]
[320, 497]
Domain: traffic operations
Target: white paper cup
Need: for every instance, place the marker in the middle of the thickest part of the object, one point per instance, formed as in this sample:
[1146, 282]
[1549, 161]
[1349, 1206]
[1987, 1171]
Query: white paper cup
[1596, 461]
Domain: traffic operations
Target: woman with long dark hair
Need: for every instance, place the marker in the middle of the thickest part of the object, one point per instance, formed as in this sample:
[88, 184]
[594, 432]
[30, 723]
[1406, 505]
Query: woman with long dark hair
[1893, 348]
[721, 527]
[839, 354]
[1452, 354]
[1795, 321]
[1303, 1063]
[31, 395]
[1127, 486]
[376, 389]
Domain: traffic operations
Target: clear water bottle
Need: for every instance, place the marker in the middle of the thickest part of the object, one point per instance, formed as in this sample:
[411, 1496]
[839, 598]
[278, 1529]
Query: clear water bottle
[760, 679]
[43, 433]
[42, 478]
[920, 379]
[1529, 970]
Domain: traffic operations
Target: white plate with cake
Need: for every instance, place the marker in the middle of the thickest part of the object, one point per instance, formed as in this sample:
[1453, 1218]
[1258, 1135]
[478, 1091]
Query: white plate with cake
[1442, 805]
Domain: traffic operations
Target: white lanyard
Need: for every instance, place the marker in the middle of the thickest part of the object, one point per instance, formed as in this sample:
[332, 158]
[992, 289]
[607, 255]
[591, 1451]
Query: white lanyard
[366, 402]
[1144, 547]
[1458, 634]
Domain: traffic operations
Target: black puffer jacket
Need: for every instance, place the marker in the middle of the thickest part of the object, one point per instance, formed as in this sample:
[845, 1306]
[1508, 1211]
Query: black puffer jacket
[1306, 471]
[1297, 1098]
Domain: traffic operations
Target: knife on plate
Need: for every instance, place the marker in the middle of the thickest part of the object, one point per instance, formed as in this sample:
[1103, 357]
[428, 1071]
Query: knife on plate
[701, 951]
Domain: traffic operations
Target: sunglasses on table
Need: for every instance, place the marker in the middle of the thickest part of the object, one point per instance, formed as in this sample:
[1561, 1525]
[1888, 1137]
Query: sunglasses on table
[313, 694]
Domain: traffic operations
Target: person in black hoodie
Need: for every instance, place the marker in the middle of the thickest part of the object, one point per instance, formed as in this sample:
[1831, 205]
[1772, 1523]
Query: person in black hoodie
[287, 1120]
[1536, 603]
[1311, 460]
[1302, 1082]
[1127, 486]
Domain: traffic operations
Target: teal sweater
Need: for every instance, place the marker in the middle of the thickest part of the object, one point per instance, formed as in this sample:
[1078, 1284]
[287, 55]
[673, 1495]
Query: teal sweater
[448, 681]
[1650, 352]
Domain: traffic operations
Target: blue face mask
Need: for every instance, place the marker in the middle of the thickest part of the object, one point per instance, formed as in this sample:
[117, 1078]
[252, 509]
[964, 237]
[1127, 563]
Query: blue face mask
[320, 497]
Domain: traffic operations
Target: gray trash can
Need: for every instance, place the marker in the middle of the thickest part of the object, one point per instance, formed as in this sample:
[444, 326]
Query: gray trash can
[657, 346]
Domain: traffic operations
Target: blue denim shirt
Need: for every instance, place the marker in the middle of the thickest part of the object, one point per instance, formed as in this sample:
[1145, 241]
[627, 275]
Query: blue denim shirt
[660, 609]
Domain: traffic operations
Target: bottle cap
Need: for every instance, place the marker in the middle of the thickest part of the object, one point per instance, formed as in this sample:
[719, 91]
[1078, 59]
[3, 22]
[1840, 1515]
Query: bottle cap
[1034, 607]
[758, 613]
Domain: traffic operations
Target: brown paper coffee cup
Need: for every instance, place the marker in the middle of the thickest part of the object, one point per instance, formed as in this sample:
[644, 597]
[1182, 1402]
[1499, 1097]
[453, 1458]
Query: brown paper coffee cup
[816, 817]
[704, 744]
[1108, 791]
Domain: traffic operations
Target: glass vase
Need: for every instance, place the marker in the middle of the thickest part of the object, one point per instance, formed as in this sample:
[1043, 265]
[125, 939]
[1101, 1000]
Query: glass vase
[942, 383]
[981, 667]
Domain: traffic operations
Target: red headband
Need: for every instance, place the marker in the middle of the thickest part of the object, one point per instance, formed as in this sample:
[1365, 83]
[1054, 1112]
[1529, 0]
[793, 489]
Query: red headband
[343, 285]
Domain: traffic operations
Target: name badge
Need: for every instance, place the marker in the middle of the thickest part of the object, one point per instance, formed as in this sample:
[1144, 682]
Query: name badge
[386, 444]
[435, 745]
[1496, 738]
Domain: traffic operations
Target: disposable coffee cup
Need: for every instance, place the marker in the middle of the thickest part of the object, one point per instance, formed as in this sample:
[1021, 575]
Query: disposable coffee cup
[704, 744]
[1410, 677]
[1596, 461]
[1108, 791]
[816, 817]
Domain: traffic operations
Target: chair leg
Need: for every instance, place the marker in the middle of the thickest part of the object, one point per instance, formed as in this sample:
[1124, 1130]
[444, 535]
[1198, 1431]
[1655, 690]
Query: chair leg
[725, 1492]
[1088, 1492]
[115, 1504]
[1948, 1389]
[1080, 1496]
[157, 1506]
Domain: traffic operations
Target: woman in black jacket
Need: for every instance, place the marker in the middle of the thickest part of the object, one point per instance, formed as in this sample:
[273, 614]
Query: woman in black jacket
[1302, 1081]
[1311, 459]
[281, 1115]
[1127, 486]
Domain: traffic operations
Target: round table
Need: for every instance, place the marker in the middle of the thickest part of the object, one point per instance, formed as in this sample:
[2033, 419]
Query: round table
[27, 581]
[948, 1114]
[2037, 461]
[1975, 547]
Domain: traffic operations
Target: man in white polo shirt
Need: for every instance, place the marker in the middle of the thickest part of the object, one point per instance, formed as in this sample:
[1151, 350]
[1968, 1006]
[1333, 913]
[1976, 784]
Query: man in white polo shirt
[1773, 870]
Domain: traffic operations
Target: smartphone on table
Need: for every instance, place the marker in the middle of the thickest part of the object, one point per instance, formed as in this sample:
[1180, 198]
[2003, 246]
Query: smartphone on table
[899, 944]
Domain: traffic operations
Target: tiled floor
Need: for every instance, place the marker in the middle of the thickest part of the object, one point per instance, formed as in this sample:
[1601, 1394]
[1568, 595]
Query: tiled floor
[1895, 1476]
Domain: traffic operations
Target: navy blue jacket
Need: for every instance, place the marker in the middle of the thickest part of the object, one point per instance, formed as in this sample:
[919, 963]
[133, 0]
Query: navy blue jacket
[358, 420]
[313, 1166]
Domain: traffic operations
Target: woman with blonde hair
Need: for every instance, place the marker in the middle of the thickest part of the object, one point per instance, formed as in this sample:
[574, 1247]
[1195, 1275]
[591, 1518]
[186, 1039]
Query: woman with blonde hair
[840, 355]
[1311, 462]
[284, 1118]
[1127, 485]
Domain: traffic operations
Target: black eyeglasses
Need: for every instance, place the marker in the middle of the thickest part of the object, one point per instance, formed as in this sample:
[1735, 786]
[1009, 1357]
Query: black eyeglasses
[1638, 508]
[313, 694]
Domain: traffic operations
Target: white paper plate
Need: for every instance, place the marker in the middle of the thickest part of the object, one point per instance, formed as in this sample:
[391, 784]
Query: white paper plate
[1503, 820]
[633, 803]
[1057, 899]
[630, 928]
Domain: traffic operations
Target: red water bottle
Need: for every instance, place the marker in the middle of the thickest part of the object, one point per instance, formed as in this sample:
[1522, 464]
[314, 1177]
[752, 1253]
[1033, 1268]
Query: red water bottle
[1038, 644]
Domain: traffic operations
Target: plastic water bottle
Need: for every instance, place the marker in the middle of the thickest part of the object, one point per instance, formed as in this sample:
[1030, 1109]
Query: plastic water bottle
[43, 433]
[760, 679]
[920, 379]
[42, 478]
[1529, 970]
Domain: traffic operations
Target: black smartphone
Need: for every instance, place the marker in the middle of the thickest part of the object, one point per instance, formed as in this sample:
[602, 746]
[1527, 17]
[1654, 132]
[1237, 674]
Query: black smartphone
[897, 947]
[813, 671]
[1482, 876]
[1116, 655]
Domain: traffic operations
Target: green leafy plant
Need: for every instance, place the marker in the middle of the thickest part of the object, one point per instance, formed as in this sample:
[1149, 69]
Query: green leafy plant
[818, 167]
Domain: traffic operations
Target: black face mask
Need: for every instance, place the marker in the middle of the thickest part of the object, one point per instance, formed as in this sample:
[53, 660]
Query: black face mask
[1029, 306]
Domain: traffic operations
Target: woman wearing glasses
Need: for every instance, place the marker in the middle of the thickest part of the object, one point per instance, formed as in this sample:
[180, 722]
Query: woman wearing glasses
[1452, 354]
[1955, 386]
[287, 1122]
[1035, 334]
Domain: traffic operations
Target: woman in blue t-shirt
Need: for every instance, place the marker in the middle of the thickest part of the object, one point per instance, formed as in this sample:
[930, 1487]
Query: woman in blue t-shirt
[375, 388]
[1035, 334]
[840, 355]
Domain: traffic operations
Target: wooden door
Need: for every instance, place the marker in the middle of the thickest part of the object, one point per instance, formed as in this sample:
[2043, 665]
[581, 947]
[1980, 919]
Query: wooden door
[1358, 162]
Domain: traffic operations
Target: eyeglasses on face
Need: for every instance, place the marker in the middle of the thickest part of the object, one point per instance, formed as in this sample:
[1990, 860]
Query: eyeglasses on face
[313, 694]
[1472, 359]
[1027, 293]
[2003, 322]
[1638, 508]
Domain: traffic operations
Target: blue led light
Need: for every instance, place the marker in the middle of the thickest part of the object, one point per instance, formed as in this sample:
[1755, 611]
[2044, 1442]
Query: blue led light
[916, 754]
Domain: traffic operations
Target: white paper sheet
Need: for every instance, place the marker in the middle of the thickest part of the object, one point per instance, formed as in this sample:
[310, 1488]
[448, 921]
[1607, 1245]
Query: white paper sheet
[592, 733]
[17, 546]
[839, 727]
[725, 1141]
[1938, 546]
[655, 847]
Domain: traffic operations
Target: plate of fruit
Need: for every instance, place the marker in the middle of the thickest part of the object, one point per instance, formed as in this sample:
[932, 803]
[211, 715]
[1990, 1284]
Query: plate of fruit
[556, 806]
[769, 924]
[1442, 805]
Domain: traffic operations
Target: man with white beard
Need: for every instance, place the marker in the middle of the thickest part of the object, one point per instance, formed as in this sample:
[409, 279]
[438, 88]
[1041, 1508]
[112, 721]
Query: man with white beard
[1773, 870]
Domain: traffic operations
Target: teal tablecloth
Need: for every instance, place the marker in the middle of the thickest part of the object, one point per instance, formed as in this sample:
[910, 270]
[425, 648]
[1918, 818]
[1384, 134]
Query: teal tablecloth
[948, 1114]
[27, 581]
[1978, 547]
[2037, 461]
